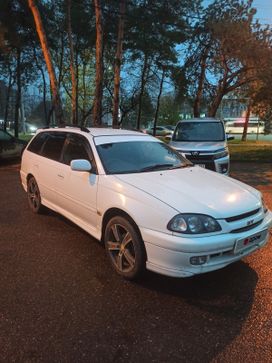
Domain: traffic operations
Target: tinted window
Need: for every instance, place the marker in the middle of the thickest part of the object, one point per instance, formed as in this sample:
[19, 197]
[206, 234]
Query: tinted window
[139, 156]
[37, 143]
[53, 145]
[77, 148]
[199, 131]
[4, 136]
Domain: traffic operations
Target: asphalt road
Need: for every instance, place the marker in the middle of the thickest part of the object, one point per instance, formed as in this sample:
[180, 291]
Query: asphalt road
[61, 302]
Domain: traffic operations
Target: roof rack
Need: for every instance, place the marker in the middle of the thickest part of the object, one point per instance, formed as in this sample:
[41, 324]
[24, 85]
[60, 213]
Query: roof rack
[82, 128]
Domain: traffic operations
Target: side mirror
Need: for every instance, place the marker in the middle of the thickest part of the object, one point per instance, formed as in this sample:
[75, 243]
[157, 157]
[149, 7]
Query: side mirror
[80, 165]
[230, 137]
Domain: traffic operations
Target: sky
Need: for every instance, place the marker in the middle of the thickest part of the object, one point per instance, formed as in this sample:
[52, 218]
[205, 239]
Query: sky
[264, 11]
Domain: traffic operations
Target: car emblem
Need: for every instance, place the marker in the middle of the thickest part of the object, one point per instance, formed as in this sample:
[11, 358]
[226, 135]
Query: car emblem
[195, 153]
[249, 223]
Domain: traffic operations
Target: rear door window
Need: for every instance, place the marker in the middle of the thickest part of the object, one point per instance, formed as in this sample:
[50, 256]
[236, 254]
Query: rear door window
[52, 147]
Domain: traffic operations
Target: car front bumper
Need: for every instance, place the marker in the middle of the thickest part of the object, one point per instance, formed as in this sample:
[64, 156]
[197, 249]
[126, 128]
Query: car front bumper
[170, 255]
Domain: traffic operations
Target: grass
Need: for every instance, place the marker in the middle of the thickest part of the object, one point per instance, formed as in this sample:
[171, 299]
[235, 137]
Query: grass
[255, 151]
[25, 137]
[249, 142]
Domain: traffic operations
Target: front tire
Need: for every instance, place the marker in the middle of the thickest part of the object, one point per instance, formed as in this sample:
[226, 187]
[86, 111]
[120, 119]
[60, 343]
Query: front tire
[34, 196]
[125, 248]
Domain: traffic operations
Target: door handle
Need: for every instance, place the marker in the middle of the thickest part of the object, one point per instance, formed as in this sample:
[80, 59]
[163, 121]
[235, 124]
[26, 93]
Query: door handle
[61, 176]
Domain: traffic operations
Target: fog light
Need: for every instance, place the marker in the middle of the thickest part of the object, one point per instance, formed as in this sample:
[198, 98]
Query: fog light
[198, 260]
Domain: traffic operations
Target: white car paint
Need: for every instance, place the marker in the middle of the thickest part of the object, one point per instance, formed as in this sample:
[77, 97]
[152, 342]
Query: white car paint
[152, 199]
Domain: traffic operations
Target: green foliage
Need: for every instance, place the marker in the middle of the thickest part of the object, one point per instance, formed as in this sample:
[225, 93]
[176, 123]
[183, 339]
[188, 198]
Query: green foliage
[180, 38]
[229, 47]
[170, 110]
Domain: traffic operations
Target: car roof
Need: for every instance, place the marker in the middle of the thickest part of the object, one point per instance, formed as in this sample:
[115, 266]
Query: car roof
[95, 131]
[201, 119]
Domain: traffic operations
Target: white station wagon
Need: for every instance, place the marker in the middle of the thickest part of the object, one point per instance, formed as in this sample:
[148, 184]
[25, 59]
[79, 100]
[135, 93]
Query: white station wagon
[149, 205]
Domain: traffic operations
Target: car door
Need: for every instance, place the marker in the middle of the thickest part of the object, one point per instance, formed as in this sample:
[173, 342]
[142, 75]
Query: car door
[47, 166]
[78, 190]
[9, 147]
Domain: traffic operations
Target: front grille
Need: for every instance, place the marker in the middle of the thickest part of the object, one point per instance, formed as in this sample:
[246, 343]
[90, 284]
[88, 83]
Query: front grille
[242, 216]
[247, 228]
[199, 158]
[202, 159]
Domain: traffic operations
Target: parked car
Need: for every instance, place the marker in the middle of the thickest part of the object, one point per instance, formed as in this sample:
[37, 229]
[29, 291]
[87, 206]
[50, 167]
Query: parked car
[204, 142]
[160, 131]
[170, 127]
[148, 204]
[10, 147]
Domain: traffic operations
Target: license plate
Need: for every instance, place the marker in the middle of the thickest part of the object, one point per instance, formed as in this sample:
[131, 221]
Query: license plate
[202, 165]
[254, 239]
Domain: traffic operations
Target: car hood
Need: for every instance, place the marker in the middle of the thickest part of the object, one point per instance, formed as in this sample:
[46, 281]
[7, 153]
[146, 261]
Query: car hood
[196, 190]
[198, 145]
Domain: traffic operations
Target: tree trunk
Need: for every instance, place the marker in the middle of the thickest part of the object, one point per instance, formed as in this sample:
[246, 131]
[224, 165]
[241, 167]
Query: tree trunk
[18, 93]
[117, 68]
[72, 68]
[40, 67]
[84, 92]
[221, 91]
[60, 59]
[158, 103]
[77, 84]
[143, 82]
[7, 99]
[215, 104]
[200, 87]
[44, 95]
[97, 109]
[244, 136]
[48, 61]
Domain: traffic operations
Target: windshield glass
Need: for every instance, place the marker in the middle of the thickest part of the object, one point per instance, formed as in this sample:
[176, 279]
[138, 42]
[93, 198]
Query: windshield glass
[199, 131]
[4, 136]
[139, 156]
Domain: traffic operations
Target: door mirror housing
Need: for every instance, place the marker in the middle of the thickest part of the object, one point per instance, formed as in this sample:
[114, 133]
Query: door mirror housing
[81, 165]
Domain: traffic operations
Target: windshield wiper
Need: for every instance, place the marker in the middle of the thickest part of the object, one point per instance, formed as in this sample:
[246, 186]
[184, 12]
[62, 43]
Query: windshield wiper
[156, 167]
[165, 167]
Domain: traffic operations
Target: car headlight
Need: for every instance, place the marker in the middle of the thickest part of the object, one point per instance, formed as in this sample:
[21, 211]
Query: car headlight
[222, 153]
[265, 208]
[193, 224]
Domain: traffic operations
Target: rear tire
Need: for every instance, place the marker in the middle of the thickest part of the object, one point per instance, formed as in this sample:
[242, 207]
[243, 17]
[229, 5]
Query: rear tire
[34, 196]
[125, 248]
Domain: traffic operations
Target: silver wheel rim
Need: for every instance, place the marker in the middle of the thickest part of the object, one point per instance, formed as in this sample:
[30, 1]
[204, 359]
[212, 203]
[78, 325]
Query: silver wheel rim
[121, 248]
[33, 194]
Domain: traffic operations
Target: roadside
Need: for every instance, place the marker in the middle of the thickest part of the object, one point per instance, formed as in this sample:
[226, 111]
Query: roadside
[256, 151]
[258, 175]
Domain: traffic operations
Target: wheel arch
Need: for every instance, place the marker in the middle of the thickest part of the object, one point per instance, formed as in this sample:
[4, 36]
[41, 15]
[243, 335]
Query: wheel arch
[29, 175]
[114, 212]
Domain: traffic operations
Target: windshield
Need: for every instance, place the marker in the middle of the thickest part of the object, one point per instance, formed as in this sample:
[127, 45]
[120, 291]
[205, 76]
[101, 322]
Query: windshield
[4, 136]
[199, 131]
[139, 156]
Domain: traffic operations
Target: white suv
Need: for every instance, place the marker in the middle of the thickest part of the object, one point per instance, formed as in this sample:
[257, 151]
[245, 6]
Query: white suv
[150, 206]
[204, 142]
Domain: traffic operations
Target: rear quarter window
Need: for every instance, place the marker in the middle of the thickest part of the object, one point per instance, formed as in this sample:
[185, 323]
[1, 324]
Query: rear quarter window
[37, 143]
